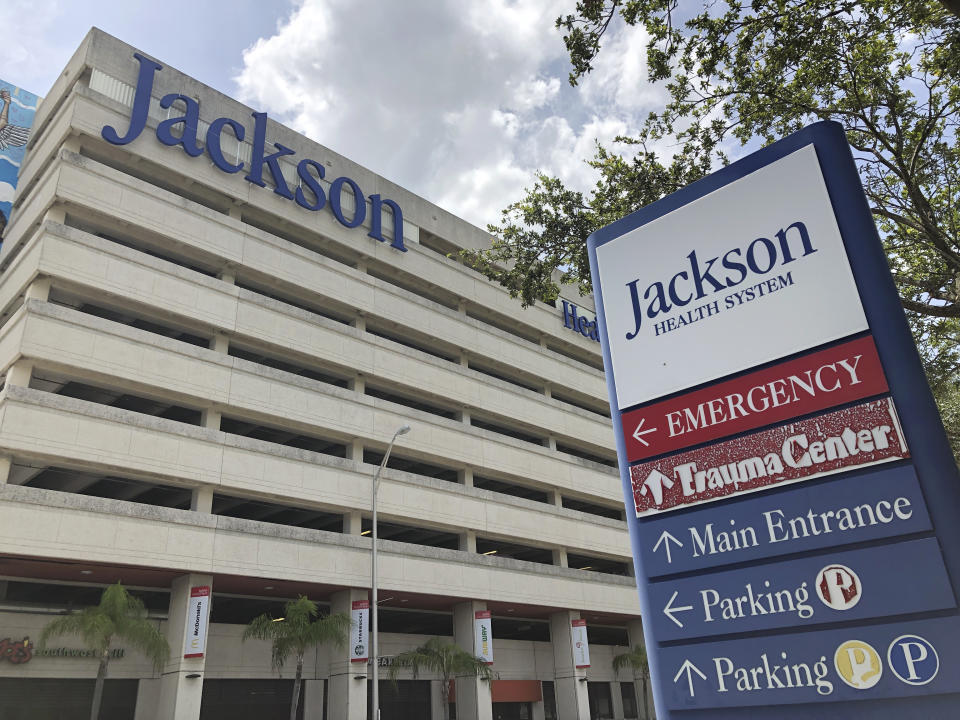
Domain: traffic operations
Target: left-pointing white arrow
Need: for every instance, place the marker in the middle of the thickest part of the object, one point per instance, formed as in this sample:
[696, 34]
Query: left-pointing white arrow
[689, 668]
[640, 432]
[670, 609]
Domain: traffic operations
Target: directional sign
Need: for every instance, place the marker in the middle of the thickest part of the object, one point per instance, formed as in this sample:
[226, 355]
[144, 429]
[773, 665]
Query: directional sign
[863, 663]
[794, 505]
[841, 374]
[818, 589]
[841, 440]
[811, 516]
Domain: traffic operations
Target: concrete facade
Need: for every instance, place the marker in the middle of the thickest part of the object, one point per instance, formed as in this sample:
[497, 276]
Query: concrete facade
[201, 377]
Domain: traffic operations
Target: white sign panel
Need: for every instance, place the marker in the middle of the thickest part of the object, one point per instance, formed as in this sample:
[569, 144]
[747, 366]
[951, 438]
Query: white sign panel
[578, 638]
[195, 643]
[730, 281]
[359, 630]
[483, 636]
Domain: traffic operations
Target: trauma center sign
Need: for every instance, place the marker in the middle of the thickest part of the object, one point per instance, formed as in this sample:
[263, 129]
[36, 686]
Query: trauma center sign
[790, 490]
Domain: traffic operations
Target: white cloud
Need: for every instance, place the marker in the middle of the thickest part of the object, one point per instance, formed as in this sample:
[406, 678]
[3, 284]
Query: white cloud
[459, 102]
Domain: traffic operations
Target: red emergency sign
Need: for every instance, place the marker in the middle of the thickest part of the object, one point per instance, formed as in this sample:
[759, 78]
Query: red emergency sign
[819, 381]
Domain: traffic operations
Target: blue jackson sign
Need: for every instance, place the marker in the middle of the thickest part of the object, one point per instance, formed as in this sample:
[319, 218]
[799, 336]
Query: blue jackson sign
[309, 194]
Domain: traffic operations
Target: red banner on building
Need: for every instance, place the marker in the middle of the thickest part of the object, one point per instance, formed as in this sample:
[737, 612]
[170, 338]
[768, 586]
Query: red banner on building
[819, 381]
[854, 437]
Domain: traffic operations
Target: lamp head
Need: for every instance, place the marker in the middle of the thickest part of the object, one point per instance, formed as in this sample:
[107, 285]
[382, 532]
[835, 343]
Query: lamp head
[403, 430]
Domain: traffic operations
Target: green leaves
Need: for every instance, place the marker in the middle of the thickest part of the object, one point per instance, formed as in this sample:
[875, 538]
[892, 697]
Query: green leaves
[888, 71]
[442, 658]
[635, 659]
[119, 615]
[300, 629]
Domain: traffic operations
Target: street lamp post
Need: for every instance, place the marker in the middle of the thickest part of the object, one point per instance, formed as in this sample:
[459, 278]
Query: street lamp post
[373, 574]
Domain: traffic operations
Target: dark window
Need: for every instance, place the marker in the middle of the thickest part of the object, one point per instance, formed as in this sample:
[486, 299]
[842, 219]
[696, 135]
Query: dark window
[248, 699]
[629, 699]
[601, 703]
[401, 700]
[549, 700]
[61, 699]
[521, 629]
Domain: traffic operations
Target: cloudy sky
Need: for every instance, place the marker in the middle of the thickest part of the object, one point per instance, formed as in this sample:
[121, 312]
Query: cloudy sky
[460, 101]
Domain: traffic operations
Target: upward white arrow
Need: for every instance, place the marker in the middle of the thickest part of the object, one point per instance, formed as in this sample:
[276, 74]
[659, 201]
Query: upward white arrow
[689, 668]
[665, 539]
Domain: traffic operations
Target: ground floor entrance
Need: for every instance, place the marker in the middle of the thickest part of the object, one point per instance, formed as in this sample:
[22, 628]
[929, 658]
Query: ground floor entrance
[64, 699]
[512, 711]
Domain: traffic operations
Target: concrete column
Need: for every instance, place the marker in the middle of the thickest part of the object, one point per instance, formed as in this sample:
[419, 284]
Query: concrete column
[348, 696]
[228, 275]
[355, 450]
[560, 557]
[313, 699]
[210, 418]
[572, 699]
[360, 322]
[436, 700]
[548, 390]
[220, 342]
[20, 373]
[473, 694]
[645, 709]
[538, 712]
[552, 442]
[468, 541]
[235, 211]
[72, 144]
[464, 359]
[554, 496]
[464, 417]
[39, 289]
[362, 264]
[6, 462]
[57, 214]
[352, 523]
[358, 384]
[201, 500]
[465, 477]
[180, 695]
[148, 697]
[462, 306]
[616, 700]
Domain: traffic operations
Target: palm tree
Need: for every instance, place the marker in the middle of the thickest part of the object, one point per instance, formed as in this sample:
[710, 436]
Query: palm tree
[447, 660]
[300, 629]
[636, 660]
[119, 615]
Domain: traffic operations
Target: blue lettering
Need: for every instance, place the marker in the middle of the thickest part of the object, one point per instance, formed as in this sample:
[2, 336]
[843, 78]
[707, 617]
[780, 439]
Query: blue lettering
[272, 161]
[771, 256]
[376, 215]
[141, 104]
[359, 202]
[312, 183]
[309, 191]
[705, 282]
[214, 149]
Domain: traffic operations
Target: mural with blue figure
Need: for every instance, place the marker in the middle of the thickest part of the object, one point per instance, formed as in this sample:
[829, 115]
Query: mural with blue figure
[17, 108]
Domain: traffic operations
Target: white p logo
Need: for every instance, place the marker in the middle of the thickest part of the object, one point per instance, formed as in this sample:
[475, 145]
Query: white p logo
[913, 659]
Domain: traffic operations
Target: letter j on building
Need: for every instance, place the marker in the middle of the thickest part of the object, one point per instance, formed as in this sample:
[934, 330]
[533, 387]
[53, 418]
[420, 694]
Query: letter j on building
[792, 498]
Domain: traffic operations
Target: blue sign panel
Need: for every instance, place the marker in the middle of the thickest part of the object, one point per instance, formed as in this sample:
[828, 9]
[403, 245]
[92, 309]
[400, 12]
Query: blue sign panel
[859, 663]
[826, 588]
[811, 558]
[880, 504]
